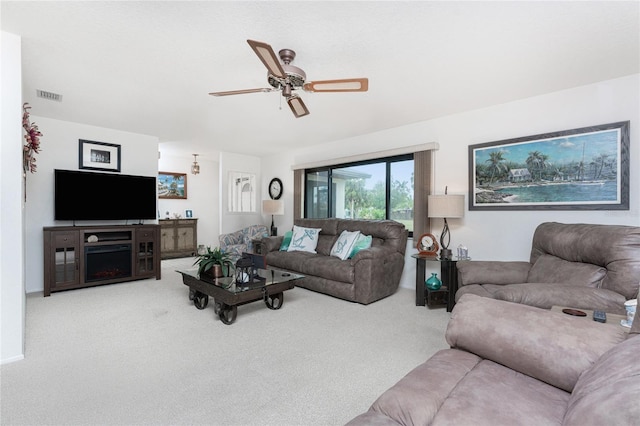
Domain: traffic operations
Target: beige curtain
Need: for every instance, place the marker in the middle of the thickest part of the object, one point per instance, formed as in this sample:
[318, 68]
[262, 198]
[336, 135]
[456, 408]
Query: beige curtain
[423, 164]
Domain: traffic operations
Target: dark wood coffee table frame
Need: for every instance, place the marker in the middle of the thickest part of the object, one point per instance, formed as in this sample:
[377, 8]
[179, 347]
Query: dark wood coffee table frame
[226, 302]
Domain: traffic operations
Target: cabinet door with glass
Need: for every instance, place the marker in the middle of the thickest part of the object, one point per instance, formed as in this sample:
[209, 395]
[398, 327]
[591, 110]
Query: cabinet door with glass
[62, 264]
[146, 242]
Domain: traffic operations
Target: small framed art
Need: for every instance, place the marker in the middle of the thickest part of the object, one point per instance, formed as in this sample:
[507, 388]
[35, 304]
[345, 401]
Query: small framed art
[99, 156]
[172, 185]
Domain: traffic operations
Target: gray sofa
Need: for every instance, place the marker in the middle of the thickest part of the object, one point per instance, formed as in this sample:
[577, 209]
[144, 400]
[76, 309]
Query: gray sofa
[523, 366]
[371, 275]
[578, 265]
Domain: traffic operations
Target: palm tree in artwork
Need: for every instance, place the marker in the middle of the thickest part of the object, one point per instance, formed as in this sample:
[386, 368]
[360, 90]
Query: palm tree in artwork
[537, 161]
[496, 163]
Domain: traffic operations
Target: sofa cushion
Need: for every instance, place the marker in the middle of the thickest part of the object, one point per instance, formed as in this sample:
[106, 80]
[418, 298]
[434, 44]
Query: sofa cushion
[552, 269]
[304, 239]
[492, 394]
[609, 392]
[344, 244]
[417, 397]
[311, 264]
[546, 295]
[543, 351]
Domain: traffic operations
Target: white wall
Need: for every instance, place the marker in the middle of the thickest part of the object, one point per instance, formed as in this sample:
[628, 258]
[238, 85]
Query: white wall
[230, 162]
[203, 192]
[12, 284]
[60, 151]
[491, 235]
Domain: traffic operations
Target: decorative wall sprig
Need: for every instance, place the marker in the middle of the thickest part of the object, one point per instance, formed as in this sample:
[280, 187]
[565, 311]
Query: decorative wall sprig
[32, 138]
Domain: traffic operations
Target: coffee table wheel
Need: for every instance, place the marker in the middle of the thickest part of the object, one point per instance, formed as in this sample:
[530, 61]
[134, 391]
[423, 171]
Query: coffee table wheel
[227, 313]
[192, 293]
[216, 307]
[274, 301]
[200, 300]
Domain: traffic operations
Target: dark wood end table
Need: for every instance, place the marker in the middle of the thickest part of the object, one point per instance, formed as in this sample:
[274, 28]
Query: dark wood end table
[449, 278]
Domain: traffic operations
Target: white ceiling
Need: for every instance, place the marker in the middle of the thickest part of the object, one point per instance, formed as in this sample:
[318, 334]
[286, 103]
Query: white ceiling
[147, 67]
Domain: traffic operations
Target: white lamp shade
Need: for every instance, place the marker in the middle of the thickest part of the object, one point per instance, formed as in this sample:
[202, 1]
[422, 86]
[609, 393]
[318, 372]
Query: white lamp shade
[274, 207]
[445, 206]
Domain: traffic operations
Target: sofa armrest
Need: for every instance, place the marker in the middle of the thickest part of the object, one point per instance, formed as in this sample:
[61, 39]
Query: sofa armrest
[492, 272]
[550, 346]
[371, 253]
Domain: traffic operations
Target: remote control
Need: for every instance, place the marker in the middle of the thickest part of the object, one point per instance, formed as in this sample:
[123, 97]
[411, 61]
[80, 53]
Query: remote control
[599, 316]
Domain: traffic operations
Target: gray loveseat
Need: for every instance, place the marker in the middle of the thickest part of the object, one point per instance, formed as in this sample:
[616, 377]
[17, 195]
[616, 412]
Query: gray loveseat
[371, 275]
[512, 364]
[578, 265]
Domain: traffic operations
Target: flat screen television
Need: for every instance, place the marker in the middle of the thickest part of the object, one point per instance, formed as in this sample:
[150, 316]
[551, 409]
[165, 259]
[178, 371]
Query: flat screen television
[104, 196]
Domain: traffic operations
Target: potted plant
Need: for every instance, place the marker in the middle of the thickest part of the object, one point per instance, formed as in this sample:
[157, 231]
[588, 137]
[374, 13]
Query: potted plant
[212, 261]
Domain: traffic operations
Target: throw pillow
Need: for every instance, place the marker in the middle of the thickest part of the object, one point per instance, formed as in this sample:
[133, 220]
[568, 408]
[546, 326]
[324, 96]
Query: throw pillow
[344, 244]
[304, 239]
[552, 269]
[286, 240]
[363, 242]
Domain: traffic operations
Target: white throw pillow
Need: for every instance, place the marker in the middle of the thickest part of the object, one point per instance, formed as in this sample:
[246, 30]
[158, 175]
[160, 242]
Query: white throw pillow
[304, 239]
[344, 244]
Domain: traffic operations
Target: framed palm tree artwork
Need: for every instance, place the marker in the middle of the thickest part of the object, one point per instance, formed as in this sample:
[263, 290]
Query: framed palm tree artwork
[578, 169]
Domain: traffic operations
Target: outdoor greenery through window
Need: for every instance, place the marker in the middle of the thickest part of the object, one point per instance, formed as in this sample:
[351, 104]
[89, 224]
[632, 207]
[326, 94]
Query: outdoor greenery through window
[375, 189]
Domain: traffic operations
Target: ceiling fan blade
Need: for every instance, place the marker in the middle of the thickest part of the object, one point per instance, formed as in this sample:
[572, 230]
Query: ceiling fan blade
[298, 107]
[240, 92]
[268, 58]
[343, 85]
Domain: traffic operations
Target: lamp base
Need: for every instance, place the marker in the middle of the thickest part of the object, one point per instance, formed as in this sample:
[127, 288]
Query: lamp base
[274, 231]
[446, 254]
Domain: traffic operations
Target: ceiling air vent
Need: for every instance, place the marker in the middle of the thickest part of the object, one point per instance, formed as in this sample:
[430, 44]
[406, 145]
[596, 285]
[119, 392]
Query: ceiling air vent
[49, 95]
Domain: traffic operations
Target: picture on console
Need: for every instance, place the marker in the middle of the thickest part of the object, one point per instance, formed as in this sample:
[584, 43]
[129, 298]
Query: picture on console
[578, 169]
[99, 156]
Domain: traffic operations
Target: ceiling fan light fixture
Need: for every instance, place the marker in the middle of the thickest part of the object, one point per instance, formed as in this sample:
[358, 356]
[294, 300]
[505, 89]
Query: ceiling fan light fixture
[298, 107]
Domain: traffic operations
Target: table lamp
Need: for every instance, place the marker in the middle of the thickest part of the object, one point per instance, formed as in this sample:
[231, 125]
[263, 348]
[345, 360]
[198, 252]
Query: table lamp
[445, 206]
[273, 207]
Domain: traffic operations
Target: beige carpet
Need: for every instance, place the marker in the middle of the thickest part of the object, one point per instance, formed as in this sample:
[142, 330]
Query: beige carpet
[141, 353]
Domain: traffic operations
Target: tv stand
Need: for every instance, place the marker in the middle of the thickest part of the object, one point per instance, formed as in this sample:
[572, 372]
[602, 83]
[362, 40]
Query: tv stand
[86, 256]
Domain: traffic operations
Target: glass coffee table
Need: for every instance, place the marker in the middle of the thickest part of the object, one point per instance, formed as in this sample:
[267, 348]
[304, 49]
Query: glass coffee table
[228, 294]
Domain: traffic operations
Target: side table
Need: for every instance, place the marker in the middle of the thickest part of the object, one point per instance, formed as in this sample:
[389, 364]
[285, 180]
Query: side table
[449, 278]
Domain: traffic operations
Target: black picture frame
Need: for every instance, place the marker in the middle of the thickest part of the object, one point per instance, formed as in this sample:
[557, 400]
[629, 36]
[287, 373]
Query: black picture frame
[579, 169]
[102, 156]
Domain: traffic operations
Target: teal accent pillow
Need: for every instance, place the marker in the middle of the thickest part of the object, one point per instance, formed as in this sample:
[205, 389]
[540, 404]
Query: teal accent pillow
[286, 241]
[363, 242]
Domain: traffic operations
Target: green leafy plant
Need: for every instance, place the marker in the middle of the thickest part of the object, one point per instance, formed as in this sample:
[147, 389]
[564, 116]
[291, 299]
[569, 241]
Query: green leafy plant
[213, 257]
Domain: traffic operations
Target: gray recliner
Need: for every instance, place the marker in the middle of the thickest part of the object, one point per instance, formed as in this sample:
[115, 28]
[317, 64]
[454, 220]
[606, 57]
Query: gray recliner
[578, 265]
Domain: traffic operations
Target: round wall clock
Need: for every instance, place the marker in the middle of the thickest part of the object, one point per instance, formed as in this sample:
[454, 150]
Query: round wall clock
[428, 245]
[275, 189]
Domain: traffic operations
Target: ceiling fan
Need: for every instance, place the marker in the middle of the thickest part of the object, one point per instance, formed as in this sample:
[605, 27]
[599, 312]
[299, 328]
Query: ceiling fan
[287, 78]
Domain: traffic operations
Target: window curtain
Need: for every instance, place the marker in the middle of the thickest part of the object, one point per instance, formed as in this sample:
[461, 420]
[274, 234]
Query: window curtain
[423, 168]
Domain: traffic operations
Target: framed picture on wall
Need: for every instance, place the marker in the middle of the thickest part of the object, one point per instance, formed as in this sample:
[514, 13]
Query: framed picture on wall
[99, 156]
[578, 169]
[172, 185]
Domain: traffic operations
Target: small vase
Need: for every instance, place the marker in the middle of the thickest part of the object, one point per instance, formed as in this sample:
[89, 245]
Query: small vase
[433, 283]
